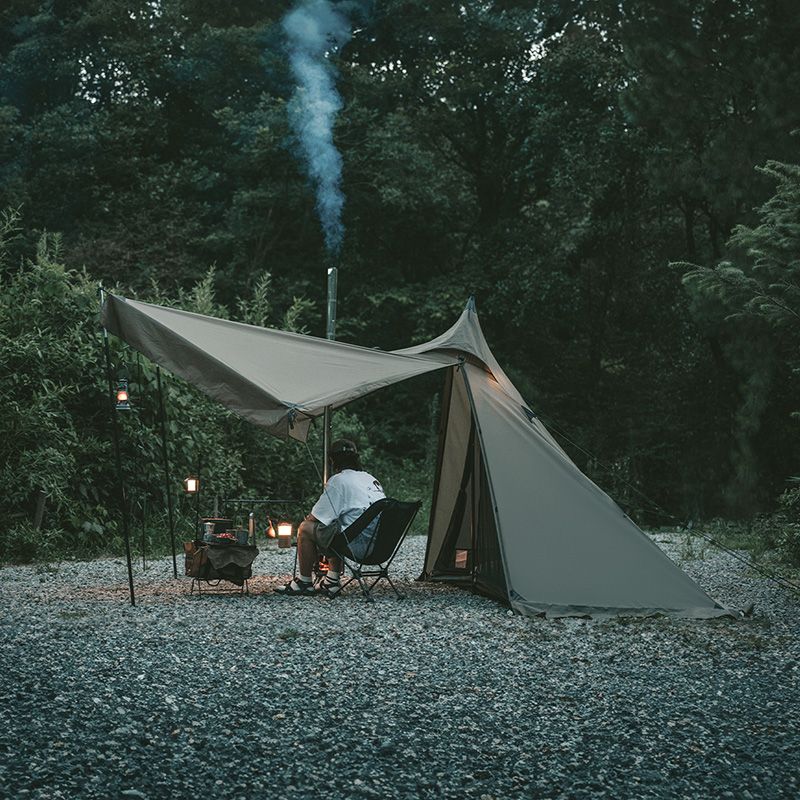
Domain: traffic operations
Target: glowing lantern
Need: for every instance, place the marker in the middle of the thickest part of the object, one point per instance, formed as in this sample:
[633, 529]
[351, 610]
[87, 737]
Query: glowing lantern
[123, 401]
[285, 534]
[191, 485]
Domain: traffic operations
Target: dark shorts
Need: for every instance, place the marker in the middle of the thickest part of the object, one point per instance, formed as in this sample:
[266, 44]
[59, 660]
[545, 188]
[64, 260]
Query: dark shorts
[321, 535]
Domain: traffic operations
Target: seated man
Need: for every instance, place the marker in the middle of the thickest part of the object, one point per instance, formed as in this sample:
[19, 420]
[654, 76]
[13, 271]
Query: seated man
[347, 494]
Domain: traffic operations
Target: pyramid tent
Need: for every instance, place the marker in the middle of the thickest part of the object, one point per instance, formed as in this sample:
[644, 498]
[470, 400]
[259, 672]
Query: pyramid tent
[515, 517]
[512, 515]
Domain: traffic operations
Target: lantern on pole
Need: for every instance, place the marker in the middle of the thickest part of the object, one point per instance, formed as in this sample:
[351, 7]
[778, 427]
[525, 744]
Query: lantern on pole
[123, 398]
[191, 486]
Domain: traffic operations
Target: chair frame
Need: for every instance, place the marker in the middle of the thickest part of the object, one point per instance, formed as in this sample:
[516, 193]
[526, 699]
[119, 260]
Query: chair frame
[363, 569]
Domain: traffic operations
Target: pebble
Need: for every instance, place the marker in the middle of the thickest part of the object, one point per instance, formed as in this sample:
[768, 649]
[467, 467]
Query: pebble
[228, 696]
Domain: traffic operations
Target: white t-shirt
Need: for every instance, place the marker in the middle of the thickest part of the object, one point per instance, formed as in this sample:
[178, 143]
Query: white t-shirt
[348, 494]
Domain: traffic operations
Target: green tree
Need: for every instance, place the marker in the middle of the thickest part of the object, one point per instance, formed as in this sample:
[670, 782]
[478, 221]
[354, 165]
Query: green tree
[754, 298]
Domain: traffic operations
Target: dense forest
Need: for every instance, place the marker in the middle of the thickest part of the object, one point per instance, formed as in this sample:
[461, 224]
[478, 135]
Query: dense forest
[617, 183]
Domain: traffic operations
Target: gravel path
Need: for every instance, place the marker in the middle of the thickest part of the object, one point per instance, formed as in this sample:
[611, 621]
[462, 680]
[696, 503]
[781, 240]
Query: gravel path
[440, 695]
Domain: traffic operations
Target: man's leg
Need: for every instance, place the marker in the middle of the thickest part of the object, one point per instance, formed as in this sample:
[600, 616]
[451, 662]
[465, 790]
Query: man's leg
[335, 563]
[306, 558]
[306, 549]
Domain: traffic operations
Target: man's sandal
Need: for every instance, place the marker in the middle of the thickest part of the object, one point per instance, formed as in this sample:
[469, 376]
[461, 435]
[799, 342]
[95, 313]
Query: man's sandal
[288, 590]
[329, 588]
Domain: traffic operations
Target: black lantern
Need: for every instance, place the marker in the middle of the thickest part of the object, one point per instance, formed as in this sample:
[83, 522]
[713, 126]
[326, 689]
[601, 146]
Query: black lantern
[191, 485]
[123, 398]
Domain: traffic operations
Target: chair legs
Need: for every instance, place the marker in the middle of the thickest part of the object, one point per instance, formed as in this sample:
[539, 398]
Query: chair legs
[366, 588]
[400, 595]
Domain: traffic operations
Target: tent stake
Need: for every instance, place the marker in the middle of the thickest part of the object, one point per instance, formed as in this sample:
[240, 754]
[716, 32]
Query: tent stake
[165, 459]
[118, 459]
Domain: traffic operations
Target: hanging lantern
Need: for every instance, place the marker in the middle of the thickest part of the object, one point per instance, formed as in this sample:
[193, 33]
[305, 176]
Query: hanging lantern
[123, 399]
[285, 534]
[191, 485]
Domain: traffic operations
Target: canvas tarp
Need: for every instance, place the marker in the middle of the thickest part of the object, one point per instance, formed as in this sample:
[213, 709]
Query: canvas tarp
[272, 378]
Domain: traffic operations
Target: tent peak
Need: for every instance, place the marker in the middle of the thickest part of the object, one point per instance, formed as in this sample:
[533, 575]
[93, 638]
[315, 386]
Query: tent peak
[470, 304]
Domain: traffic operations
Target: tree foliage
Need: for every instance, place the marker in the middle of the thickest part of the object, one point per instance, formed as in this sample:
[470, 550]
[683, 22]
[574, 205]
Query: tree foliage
[552, 158]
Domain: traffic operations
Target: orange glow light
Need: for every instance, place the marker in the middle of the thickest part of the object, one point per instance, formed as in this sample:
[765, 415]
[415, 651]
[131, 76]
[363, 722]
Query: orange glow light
[284, 534]
[284, 529]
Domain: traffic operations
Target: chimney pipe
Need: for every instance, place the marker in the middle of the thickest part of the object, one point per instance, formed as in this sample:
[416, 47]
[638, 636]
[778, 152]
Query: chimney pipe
[331, 335]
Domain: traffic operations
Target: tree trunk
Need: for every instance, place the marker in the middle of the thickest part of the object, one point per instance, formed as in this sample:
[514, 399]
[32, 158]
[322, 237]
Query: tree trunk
[38, 515]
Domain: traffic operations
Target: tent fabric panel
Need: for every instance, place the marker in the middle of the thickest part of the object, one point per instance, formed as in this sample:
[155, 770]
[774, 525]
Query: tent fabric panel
[490, 574]
[454, 446]
[566, 544]
[266, 376]
[532, 609]
[466, 336]
[458, 535]
[150, 334]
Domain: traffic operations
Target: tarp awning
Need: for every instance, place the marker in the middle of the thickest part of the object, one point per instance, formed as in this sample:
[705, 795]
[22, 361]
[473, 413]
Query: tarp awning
[272, 378]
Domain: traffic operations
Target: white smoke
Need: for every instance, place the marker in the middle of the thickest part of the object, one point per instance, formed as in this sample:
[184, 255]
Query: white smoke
[314, 29]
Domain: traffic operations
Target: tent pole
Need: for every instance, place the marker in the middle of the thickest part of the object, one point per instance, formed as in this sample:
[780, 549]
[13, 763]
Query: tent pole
[118, 459]
[326, 444]
[197, 533]
[476, 448]
[144, 531]
[165, 459]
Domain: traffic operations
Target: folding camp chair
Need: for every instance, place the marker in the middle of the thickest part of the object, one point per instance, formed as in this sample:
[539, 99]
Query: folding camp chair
[394, 523]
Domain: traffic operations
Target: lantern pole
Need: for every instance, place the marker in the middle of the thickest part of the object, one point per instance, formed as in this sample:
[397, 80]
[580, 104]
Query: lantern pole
[197, 532]
[331, 336]
[165, 459]
[117, 457]
[144, 529]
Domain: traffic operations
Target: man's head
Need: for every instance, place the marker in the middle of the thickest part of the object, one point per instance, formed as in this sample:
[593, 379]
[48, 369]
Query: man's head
[344, 455]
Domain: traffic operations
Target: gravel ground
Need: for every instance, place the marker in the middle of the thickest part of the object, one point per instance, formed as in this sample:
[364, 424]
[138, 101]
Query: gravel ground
[442, 694]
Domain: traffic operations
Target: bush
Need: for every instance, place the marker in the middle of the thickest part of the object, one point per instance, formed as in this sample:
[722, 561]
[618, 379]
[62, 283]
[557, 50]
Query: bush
[788, 523]
[55, 425]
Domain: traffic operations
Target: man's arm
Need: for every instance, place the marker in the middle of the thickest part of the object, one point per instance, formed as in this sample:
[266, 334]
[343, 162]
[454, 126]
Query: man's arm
[327, 508]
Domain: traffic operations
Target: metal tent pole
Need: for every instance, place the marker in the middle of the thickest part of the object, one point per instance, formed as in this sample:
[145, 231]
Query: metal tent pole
[117, 457]
[165, 459]
[144, 531]
[198, 535]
